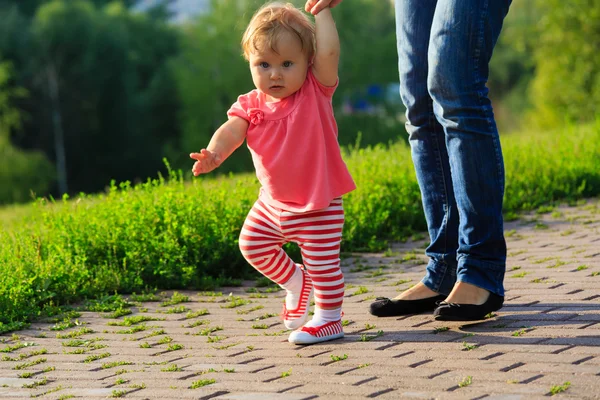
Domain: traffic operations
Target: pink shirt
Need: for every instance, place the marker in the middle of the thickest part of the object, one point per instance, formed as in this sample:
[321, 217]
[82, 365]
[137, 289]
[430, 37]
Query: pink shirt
[294, 147]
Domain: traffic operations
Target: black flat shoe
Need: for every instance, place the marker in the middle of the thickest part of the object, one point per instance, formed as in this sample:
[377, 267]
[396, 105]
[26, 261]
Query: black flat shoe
[385, 307]
[468, 312]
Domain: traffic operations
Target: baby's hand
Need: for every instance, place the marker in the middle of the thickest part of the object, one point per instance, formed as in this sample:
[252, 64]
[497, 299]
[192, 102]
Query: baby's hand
[206, 161]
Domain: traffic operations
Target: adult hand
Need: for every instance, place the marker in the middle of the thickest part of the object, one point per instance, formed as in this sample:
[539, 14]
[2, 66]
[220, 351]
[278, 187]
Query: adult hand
[206, 161]
[314, 6]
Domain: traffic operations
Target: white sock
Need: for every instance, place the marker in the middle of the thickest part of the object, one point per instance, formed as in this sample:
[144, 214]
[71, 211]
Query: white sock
[293, 287]
[321, 317]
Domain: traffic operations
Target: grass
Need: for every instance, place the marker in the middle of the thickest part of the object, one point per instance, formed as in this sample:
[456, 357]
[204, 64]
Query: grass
[171, 368]
[469, 347]
[129, 321]
[466, 381]
[202, 382]
[197, 313]
[154, 235]
[176, 298]
[559, 388]
[95, 357]
[115, 364]
[335, 358]
[367, 338]
[359, 291]
[30, 364]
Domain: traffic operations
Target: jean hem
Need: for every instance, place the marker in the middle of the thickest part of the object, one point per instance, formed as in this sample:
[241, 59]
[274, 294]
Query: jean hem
[482, 274]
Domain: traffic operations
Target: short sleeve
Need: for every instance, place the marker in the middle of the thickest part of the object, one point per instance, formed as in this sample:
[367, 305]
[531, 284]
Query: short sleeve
[240, 108]
[326, 90]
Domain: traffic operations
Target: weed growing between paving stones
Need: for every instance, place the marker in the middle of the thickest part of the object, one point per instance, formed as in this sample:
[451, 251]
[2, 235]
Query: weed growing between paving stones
[118, 313]
[520, 275]
[196, 323]
[197, 313]
[54, 390]
[144, 297]
[469, 347]
[134, 329]
[559, 388]
[35, 384]
[361, 290]
[138, 386]
[115, 364]
[74, 334]
[10, 349]
[30, 364]
[335, 358]
[153, 234]
[466, 381]
[367, 338]
[201, 383]
[129, 321]
[176, 298]
[118, 393]
[287, 373]
[171, 368]
[226, 346]
[174, 347]
[95, 357]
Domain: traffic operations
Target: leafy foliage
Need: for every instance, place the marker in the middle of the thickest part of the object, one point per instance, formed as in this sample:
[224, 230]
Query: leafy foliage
[566, 86]
[173, 234]
[20, 172]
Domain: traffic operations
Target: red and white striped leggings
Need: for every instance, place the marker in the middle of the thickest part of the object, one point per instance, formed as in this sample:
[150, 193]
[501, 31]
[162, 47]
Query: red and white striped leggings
[317, 233]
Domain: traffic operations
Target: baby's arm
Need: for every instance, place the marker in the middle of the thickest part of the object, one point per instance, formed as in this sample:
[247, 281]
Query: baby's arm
[226, 139]
[325, 67]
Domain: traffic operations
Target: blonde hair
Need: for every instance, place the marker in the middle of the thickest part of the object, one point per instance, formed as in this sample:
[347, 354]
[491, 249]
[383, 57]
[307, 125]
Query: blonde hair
[271, 21]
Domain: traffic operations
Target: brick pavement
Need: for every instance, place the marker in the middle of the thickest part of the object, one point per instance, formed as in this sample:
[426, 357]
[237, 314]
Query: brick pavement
[546, 338]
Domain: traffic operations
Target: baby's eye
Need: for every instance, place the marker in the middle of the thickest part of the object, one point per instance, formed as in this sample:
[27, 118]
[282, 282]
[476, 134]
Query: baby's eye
[287, 64]
[264, 65]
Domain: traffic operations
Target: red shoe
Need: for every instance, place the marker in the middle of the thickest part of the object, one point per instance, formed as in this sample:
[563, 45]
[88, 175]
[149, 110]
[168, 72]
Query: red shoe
[316, 334]
[294, 319]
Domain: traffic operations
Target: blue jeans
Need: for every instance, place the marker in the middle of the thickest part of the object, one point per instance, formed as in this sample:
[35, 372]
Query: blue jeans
[444, 49]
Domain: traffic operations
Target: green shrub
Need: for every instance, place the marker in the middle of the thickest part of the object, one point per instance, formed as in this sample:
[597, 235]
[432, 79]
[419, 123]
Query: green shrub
[177, 234]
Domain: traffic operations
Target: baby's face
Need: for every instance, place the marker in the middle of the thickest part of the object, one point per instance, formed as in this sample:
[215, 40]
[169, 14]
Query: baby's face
[280, 74]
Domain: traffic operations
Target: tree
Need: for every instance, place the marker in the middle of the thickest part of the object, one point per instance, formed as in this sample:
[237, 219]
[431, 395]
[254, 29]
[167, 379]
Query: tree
[566, 86]
[103, 74]
[20, 172]
[29, 7]
[211, 73]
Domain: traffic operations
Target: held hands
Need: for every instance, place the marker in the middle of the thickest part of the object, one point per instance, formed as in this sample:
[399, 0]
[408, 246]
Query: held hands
[206, 161]
[315, 6]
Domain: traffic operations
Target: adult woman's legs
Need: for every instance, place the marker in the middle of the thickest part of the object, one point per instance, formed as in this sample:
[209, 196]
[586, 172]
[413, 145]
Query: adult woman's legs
[463, 35]
[414, 19]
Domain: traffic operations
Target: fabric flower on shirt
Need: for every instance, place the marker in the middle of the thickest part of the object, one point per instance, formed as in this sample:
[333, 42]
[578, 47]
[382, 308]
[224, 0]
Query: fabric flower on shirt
[256, 116]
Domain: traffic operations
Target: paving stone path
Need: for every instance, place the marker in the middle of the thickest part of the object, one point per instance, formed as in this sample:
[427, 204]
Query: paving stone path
[232, 345]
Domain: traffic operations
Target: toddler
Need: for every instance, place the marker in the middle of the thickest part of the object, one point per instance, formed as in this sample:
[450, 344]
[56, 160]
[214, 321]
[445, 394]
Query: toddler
[290, 129]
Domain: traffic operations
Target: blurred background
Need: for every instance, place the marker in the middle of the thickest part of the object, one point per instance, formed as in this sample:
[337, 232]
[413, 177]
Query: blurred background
[97, 90]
